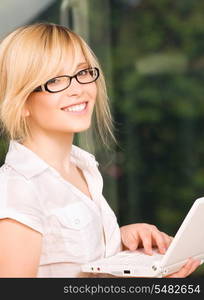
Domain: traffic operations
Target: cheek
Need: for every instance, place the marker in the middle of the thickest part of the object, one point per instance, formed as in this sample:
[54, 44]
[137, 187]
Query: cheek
[93, 92]
[40, 109]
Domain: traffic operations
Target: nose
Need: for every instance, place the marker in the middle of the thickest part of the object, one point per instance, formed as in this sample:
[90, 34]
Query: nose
[75, 88]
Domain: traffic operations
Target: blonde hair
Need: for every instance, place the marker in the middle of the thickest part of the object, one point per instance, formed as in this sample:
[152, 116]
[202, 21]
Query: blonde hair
[29, 57]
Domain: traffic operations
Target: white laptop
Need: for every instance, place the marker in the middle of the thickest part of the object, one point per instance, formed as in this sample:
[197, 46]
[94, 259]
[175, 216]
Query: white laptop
[188, 242]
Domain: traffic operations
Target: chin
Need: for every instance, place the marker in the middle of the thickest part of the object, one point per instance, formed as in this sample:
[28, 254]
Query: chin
[79, 129]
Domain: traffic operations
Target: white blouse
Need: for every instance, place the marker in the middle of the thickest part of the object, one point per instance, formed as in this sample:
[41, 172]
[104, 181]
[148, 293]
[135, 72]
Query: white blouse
[75, 229]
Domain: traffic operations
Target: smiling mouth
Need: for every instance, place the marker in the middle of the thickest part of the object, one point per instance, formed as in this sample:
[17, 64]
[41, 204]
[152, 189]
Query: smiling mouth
[76, 108]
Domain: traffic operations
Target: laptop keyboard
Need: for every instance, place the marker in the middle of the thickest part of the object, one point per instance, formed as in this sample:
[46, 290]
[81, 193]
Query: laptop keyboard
[128, 258]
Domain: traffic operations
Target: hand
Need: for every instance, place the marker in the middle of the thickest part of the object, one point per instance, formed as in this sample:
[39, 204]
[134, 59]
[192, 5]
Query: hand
[187, 269]
[144, 235]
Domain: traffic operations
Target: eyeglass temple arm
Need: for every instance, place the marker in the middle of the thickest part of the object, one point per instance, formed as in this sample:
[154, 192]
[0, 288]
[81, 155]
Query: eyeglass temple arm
[40, 89]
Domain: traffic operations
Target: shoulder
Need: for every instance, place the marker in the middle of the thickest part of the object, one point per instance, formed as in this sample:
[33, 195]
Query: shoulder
[9, 174]
[15, 186]
[19, 200]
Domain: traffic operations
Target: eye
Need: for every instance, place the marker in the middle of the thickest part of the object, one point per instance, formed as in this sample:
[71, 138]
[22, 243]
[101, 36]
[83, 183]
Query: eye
[83, 72]
[53, 81]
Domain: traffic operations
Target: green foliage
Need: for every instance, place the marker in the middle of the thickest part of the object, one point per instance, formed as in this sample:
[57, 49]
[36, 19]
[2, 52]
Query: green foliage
[3, 149]
[158, 100]
[158, 57]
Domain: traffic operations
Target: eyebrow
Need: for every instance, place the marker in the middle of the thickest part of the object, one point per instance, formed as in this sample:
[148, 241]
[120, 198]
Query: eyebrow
[81, 64]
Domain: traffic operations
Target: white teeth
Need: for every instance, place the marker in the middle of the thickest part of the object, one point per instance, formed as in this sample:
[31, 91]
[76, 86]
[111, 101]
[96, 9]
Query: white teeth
[78, 107]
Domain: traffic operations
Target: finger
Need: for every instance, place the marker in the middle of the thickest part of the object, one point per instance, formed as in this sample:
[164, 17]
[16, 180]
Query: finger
[186, 270]
[167, 239]
[132, 241]
[195, 264]
[146, 239]
[160, 240]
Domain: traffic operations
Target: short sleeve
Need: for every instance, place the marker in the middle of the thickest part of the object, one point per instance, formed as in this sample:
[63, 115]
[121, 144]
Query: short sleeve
[19, 201]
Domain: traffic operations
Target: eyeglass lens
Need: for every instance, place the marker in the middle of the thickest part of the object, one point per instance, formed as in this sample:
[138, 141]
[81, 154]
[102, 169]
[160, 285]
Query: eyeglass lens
[62, 82]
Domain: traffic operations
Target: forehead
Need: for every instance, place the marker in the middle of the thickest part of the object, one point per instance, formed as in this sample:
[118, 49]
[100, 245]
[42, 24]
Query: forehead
[61, 56]
[74, 60]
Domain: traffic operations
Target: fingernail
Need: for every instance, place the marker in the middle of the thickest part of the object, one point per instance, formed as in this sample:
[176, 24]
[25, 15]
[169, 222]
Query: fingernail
[150, 252]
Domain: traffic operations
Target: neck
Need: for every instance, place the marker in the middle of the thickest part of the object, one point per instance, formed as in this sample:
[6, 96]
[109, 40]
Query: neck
[54, 150]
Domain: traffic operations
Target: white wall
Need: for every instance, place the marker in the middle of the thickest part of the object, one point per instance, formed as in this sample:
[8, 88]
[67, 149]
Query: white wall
[14, 13]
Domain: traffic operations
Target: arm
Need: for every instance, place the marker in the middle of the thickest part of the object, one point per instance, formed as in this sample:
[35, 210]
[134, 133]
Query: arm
[20, 248]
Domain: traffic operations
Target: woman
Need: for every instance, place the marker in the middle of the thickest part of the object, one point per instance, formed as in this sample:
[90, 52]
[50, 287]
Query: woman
[53, 216]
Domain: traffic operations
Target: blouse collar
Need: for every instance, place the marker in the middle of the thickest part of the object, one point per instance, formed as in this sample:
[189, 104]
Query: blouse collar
[29, 164]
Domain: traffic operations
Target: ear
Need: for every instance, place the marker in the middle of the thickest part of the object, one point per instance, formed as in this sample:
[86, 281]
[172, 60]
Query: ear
[25, 112]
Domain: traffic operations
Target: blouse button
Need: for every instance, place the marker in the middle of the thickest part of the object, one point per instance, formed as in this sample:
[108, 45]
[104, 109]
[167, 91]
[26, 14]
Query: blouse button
[77, 221]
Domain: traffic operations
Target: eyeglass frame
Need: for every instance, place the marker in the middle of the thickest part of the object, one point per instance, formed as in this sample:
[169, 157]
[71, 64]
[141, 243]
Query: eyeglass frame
[44, 87]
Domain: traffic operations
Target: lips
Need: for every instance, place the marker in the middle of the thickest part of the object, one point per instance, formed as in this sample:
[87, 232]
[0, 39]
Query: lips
[75, 107]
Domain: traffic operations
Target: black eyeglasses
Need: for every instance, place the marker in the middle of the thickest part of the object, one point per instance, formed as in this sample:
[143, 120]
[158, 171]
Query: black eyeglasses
[60, 83]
